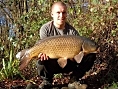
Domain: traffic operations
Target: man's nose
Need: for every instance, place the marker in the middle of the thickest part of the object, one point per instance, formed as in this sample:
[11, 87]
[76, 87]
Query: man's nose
[61, 14]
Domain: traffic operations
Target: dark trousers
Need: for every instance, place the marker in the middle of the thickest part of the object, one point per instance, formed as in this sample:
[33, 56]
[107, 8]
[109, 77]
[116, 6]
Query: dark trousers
[49, 67]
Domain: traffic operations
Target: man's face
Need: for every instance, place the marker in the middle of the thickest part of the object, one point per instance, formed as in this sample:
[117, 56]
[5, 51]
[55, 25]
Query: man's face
[59, 14]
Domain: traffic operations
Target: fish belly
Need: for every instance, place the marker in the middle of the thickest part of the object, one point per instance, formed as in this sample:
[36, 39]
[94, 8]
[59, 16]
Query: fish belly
[62, 47]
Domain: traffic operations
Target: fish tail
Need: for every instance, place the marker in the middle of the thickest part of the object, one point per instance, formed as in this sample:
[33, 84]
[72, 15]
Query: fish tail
[24, 61]
[20, 54]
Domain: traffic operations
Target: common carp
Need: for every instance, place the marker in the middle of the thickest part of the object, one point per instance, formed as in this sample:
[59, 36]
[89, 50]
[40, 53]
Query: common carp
[60, 47]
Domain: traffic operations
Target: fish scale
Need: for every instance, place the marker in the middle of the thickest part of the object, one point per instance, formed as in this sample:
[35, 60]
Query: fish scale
[62, 50]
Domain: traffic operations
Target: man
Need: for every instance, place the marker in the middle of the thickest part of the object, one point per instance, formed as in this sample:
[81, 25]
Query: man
[59, 26]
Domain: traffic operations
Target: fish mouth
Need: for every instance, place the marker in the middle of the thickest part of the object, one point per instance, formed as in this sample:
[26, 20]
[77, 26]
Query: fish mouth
[98, 49]
[95, 50]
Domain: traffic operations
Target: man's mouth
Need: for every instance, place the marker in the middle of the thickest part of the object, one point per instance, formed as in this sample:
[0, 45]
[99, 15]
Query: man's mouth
[61, 19]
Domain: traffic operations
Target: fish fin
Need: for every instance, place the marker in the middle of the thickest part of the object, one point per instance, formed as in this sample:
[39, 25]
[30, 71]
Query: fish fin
[62, 62]
[24, 61]
[78, 57]
[20, 54]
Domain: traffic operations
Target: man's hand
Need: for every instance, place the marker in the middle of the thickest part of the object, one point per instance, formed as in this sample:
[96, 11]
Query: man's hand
[43, 57]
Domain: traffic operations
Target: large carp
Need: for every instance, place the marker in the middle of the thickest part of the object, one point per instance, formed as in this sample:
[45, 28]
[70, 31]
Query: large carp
[60, 47]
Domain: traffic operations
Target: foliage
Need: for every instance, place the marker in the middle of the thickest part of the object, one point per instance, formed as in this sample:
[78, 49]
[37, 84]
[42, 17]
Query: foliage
[9, 64]
[112, 86]
[58, 75]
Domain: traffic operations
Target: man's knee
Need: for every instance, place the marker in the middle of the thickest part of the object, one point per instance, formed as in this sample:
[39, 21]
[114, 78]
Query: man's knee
[40, 67]
[88, 61]
[86, 64]
[90, 58]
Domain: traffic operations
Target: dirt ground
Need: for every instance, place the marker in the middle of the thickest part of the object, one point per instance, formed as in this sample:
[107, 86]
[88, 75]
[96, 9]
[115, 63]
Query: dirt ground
[91, 79]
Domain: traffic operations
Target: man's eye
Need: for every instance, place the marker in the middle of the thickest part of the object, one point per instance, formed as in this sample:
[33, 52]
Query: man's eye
[58, 12]
[64, 12]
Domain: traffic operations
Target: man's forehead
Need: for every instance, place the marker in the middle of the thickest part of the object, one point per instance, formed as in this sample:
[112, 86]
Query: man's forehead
[59, 7]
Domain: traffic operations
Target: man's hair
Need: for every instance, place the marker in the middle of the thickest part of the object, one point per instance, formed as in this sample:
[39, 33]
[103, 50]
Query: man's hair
[58, 3]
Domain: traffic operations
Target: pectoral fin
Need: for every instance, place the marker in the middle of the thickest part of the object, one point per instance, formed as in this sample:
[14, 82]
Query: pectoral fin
[62, 62]
[78, 58]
